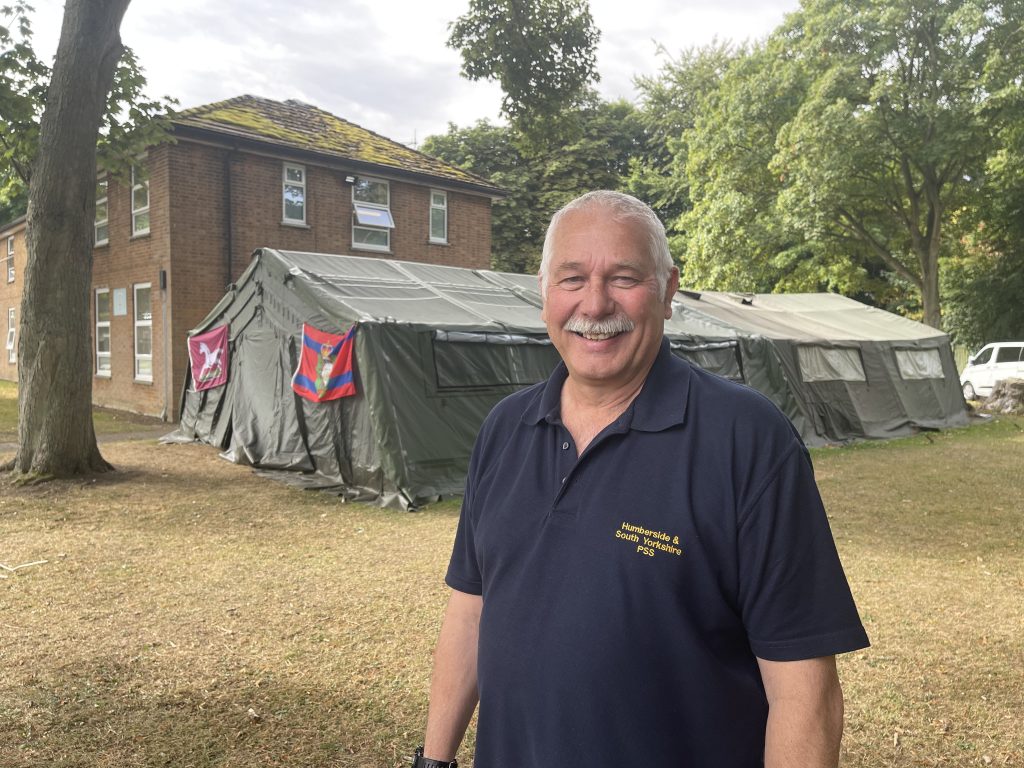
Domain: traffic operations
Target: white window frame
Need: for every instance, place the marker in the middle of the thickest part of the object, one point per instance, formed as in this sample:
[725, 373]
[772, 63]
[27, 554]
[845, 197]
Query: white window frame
[10, 259]
[105, 373]
[12, 332]
[285, 183]
[385, 212]
[104, 200]
[138, 212]
[434, 206]
[142, 324]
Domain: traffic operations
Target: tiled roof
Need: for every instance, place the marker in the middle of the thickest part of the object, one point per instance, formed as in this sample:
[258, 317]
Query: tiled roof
[295, 124]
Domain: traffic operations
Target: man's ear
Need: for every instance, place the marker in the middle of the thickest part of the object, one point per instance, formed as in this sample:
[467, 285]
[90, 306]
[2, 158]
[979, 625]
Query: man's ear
[670, 290]
[543, 298]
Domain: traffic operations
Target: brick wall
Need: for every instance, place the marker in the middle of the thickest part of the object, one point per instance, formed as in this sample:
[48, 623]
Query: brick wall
[125, 262]
[10, 294]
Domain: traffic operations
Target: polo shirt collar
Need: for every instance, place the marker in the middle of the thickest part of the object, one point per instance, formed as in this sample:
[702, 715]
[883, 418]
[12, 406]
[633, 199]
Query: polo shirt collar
[661, 403]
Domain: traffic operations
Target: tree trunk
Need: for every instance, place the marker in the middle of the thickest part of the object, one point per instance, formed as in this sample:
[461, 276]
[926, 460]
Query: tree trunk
[55, 429]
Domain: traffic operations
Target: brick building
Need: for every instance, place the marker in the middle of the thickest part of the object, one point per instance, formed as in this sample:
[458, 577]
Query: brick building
[243, 174]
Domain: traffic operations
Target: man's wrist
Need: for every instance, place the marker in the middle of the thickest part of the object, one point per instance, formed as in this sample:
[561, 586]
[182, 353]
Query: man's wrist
[419, 761]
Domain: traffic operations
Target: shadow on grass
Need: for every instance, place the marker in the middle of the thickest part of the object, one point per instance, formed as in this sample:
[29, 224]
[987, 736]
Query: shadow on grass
[110, 714]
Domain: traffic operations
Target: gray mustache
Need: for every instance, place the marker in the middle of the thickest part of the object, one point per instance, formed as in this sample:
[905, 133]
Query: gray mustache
[614, 324]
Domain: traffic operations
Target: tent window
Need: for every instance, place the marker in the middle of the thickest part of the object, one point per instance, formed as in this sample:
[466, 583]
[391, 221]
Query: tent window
[919, 363]
[830, 364]
[718, 358]
[465, 365]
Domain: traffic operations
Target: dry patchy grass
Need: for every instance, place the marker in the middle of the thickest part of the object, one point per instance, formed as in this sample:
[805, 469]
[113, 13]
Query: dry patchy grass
[192, 614]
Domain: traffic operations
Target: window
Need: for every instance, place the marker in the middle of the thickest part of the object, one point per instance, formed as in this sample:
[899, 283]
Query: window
[103, 332]
[1008, 354]
[919, 363]
[140, 202]
[12, 329]
[102, 230]
[293, 198]
[983, 356]
[371, 218]
[143, 333]
[830, 364]
[10, 259]
[438, 216]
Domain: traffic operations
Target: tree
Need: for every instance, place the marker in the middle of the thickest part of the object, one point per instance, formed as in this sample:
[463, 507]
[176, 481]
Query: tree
[51, 128]
[540, 182]
[669, 105]
[541, 52]
[891, 140]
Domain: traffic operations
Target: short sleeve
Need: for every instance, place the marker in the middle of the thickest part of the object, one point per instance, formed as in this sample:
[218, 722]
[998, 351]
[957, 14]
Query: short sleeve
[464, 568]
[794, 597]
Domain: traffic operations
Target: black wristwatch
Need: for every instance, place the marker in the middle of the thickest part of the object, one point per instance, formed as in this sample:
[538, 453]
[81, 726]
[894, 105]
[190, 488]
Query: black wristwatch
[419, 761]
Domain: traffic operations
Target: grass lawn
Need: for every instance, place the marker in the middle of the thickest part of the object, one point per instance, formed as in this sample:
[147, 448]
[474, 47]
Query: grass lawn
[191, 614]
[105, 421]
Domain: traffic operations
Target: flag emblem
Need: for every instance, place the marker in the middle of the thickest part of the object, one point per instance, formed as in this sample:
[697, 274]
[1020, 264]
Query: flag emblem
[325, 365]
[208, 354]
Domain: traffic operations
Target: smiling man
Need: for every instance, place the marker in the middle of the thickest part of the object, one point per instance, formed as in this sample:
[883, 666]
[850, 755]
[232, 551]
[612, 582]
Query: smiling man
[643, 572]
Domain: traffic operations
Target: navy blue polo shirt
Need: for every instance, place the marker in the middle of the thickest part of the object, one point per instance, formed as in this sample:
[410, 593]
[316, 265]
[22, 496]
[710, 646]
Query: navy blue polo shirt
[627, 591]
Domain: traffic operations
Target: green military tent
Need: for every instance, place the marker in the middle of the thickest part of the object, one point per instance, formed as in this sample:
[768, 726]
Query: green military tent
[437, 347]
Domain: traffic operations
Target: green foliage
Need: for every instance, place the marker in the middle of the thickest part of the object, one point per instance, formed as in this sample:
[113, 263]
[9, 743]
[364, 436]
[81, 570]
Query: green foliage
[132, 121]
[669, 105]
[541, 52]
[540, 182]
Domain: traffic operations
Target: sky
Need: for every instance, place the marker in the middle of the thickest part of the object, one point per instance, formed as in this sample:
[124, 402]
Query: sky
[384, 65]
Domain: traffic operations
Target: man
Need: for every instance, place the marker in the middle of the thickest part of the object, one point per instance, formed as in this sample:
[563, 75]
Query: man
[643, 573]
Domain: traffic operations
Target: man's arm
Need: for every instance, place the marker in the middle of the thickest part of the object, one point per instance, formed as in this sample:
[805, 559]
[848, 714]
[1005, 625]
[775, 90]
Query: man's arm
[453, 693]
[805, 713]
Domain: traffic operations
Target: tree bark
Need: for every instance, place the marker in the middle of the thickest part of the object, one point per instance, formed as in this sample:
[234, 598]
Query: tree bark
[55, 429]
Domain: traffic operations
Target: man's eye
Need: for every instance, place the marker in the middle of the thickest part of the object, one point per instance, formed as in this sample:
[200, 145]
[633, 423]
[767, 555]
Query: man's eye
[624, 281]
[573, 281]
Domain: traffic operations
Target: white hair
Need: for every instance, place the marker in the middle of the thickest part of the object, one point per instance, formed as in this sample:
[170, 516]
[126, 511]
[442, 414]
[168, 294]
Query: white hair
[621, 207]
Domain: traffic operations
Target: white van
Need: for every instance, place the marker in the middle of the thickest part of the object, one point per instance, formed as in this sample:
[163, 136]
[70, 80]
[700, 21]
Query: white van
[995, 362]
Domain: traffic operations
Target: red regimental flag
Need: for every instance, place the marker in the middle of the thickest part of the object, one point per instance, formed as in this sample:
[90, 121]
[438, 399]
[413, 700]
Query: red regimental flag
[325, 365]
[208, 353]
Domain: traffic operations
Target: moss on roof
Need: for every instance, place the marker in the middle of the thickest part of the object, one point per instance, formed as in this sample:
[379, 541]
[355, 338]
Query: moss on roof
[295, 124]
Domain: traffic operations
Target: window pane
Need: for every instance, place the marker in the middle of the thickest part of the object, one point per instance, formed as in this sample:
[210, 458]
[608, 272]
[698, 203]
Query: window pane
[919, 363]
[140, 222]
[140, 198]
[143, 368]
[374, 217]
[438, 221]
[144, 340]
[103, 363]
[368, 191]
[103, 339]
[830, 364]
[102, 233]
[101, 211]
[101, 189]
[1008, 354]
[294, 203]
[103, 306]
[377, 238]
[294, 174]
[143, 311]
[438, 199]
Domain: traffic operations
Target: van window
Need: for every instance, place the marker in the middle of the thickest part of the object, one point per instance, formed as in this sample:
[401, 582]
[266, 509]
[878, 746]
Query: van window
[1008, 354]
[983, 356]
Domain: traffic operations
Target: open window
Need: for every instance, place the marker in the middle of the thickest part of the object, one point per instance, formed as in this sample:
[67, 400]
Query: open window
[371, 214]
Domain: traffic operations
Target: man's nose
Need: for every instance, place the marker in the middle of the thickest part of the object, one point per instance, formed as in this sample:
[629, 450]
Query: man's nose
[598, 301]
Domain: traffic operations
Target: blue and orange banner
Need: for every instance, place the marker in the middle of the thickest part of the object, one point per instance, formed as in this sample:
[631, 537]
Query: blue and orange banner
[325, 365]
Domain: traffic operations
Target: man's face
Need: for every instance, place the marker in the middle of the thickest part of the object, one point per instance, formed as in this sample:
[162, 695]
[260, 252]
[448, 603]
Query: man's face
[604, 308]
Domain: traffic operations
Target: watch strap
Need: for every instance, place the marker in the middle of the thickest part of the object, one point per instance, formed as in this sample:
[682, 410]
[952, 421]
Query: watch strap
[419, 761]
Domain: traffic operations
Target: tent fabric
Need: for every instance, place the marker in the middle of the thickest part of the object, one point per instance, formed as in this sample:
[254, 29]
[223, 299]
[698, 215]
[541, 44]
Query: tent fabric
[437, 347]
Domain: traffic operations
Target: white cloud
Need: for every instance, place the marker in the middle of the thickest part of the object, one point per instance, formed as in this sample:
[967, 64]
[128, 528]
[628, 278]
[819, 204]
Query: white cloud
[383, 64]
